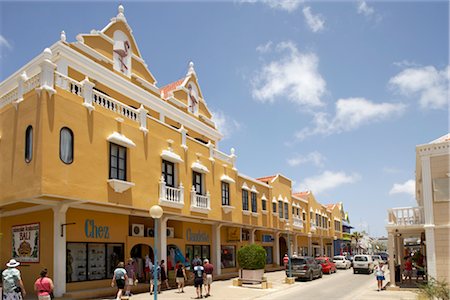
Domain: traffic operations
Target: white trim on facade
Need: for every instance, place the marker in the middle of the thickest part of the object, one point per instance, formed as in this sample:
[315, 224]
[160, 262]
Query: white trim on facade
[121, 140]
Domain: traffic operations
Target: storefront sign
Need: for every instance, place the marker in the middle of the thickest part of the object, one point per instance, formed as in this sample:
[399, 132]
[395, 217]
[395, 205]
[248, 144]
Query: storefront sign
[234, 234]
[197, 236]
[95, 231]
[25, 243]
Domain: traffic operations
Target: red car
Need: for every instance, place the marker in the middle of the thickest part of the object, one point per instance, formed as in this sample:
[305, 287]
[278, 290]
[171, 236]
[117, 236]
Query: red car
[328, 266]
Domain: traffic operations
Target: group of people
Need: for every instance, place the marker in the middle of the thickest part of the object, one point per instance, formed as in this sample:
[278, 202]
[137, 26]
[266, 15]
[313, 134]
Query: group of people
[14, 289]
[416, 261]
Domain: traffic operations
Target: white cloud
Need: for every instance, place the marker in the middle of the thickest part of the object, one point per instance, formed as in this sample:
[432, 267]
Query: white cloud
[408, 187]
[225, 124]
[406, 64]
[314, 157]
[428, 83]
[4, 42]
[294, 76]
[327, 180]
[315, 22]
[365, 9]
[286, 5]
[351, 113]
[267, 47]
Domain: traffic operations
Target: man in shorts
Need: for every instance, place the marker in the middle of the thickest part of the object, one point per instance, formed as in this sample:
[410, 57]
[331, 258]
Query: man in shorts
[209, 269]
[199, 275]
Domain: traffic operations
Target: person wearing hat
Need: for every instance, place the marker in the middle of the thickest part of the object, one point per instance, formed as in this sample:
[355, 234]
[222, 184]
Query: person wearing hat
[13, 288]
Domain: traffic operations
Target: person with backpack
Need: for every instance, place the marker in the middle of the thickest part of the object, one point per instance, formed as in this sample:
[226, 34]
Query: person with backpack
[152, 278]
[199, 275]
[119, 279]
[44, 286]
[180, 276]
[13, 288]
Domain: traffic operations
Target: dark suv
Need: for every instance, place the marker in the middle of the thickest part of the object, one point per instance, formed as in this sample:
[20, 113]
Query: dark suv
[305, 267]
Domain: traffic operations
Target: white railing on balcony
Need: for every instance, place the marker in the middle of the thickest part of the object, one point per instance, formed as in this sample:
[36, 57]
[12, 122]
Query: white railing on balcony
[9, 97]
[200, 203]
[298, 222]
[112, 104]
[171, 196]
[68, 84]
[222, 156]
[31, 83]
[406, 216]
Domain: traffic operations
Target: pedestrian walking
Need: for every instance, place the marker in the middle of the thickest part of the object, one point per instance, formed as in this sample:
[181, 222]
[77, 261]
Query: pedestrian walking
[408, 269]
[285, 260]
[180, 276]
[164, 279]
[158, 279]
[147, 268]
[13, 288]
[209, 269]
[379, 273]
[131, 273]
[199, 274]
[43, 286]
[119, 279]
[196, 261]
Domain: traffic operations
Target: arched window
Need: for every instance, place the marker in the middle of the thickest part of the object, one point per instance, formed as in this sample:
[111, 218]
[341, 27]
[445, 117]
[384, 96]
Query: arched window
[29, 144]
[66, 145]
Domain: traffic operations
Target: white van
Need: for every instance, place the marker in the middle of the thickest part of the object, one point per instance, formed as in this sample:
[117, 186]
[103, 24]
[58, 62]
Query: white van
[363, 263]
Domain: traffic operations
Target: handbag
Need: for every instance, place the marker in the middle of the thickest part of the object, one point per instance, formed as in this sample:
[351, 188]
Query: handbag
[18, 289]
[51, 295]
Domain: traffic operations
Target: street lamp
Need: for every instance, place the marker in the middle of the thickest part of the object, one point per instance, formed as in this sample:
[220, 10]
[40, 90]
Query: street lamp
[156, 213]
[287, 227]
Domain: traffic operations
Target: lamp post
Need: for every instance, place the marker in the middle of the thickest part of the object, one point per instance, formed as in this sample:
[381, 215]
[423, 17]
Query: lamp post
[156, 213]
[287, 227]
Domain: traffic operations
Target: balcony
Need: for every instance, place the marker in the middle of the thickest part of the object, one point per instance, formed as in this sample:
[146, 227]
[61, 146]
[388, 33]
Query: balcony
[171, 196]
[406, 216]
[298, 223]
[200, 203]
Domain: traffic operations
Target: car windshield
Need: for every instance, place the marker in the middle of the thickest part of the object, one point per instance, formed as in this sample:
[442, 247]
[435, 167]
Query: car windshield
[360, 258]
[298, 261]
[338, 258]
[321, 261]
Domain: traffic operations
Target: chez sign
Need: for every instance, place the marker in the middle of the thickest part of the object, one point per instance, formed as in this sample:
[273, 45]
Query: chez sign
[92, 230]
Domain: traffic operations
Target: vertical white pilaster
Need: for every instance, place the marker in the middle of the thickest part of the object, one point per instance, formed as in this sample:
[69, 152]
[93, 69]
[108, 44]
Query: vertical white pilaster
[309, 245]
[183, 132]
[277, 249]
[321, 246]
[391, 249]
[252, 236]
[162, 247]
[59, 249]
[47, 73]
[296, 250]
[429, 216]
[143, 119]
[216, 254]
[62, 67]
[87, 88]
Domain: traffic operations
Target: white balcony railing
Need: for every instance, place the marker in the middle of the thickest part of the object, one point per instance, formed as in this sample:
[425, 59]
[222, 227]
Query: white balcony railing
[200, 203]
[171, 196]
[298, 222]
[406, 216]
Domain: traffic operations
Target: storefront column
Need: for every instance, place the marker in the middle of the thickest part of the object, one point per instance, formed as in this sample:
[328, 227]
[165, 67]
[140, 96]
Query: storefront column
[321, 246]
[309, 244]
[252, 236]
[216, 253]
[277, 248]
[429, 217]
[59, 249]
[391, 249]
[295, 245]
[162, 234]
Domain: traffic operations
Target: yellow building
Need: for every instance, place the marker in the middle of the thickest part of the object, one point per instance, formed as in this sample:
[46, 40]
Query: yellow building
[89, 143]
[429, 221]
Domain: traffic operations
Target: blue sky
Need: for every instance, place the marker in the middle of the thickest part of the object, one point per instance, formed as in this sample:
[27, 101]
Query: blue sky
[334, 95]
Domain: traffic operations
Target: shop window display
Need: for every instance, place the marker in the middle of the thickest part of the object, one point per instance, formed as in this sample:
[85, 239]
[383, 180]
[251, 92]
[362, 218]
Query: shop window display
[92, 261]
[269, 256]
[228, 257]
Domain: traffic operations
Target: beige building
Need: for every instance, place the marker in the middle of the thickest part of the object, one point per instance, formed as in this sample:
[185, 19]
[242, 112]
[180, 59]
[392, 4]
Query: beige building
[429, 222]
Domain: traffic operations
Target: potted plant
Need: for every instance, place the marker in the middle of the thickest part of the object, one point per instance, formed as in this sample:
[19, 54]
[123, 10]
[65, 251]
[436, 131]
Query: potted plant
[251, 260]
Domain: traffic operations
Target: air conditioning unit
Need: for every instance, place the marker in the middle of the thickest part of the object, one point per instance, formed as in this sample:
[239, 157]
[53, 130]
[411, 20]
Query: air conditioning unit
[150, 232]
[137, 229]
[170, 232]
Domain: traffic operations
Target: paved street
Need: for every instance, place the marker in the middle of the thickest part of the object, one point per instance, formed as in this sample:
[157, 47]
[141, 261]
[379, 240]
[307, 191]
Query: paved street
[342, 285]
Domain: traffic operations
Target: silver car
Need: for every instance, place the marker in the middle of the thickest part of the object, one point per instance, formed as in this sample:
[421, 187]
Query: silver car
[305, 267]
[342, 262]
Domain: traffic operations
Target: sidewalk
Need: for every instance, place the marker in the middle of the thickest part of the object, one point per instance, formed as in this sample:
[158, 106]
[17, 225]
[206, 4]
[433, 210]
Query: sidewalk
[225, 290]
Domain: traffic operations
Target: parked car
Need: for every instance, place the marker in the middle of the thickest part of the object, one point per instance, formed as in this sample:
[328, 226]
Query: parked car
[376, 259]
[350, 258]
[305, 267]
[328, 266]
[341, 262]
[363, 263]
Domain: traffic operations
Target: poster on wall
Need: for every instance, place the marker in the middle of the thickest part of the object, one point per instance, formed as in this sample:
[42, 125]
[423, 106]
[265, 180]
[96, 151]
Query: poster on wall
[25, 243]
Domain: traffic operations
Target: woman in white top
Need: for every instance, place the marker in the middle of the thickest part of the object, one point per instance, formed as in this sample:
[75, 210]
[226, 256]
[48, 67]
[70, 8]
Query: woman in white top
[379, 273]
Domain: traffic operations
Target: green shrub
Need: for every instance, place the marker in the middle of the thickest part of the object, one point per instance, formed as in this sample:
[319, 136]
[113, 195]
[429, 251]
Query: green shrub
[435, 289]
[252, 257]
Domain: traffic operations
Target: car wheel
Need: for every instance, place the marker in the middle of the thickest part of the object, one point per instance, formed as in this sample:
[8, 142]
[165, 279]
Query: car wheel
[354, 271]
[311, 277]
[321, 274]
